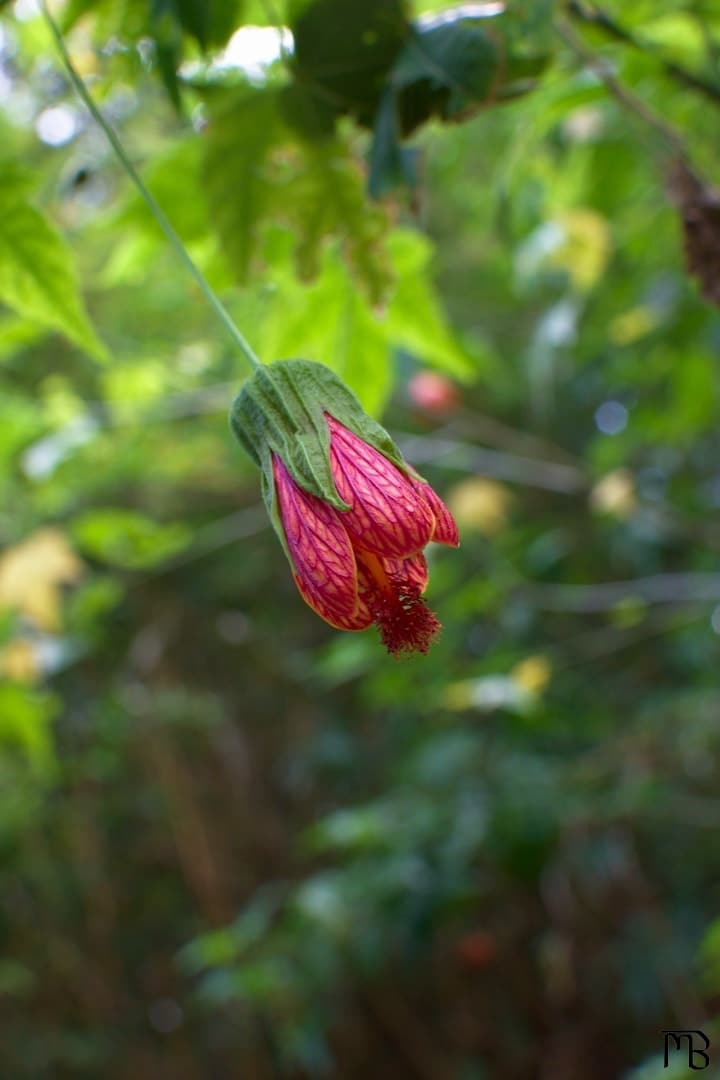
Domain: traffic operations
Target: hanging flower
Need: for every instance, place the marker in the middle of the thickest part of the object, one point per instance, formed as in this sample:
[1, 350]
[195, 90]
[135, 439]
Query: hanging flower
[353, 517]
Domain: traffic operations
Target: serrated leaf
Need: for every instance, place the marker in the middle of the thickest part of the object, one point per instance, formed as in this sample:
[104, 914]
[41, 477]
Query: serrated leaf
[37, 276]
[329, 200]
[257, 173]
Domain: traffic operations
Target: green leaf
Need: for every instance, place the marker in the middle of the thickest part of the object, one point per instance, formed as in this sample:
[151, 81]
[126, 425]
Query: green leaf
[256, 172]
[166, 31]
[128, 539]
[344, 50]
[390, 165]
[445, 69]
[415, 319]
[25, 721]
[241, 130]
[37, 276]
[195, 17]
[329, 201]
[449, 67]
[209, 22]
[331, 322]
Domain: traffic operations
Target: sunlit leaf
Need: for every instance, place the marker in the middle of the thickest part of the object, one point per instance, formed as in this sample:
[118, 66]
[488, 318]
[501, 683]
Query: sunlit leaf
[37, 276]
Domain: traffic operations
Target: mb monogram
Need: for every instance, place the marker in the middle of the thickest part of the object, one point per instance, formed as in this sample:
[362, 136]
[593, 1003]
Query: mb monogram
[697, 1043]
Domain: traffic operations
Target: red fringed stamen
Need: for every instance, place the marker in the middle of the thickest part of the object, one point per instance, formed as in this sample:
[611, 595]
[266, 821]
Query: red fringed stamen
[405, 622]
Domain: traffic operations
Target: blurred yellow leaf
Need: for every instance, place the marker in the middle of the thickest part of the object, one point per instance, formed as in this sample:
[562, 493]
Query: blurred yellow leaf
[85, 62]
[632, 325]
[585, 247]
[532, 674]
[19, 661]
[480, 505]
[32, 574]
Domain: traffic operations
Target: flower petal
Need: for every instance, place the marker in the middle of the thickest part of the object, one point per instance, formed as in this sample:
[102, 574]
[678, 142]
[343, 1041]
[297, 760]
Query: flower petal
[414, 569]
[388, 515]
[446, 530]
[322, 555]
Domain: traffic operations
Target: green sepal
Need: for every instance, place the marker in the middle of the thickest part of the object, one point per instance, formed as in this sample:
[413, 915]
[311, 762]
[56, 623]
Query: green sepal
[281, 409]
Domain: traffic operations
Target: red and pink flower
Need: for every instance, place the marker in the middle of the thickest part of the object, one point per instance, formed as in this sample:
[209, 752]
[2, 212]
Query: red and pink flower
[365, 565]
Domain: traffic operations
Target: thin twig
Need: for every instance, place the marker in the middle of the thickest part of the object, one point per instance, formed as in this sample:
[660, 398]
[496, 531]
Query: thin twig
[449, 453]
[611, 640]
[599, 18]
[680, 588]
[627, 98]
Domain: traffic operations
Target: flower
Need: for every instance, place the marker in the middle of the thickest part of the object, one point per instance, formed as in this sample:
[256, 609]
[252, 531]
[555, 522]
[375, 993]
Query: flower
[350, 513]
[433, 393]
[365, 565]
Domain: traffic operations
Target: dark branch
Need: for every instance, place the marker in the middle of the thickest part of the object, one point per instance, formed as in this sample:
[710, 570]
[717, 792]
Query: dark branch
[600, 19]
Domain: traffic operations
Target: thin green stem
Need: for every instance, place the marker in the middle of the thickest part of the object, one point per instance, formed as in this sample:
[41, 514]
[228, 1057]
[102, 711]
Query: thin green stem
[175, 242]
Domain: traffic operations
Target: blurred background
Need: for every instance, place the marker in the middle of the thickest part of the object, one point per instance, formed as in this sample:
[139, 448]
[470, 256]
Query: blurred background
[235, 843]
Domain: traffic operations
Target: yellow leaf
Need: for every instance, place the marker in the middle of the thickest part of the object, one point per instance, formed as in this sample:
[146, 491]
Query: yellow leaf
[19, 661]
[587, 246]
[85, 62]
[632, 325]
[480, 504]
[532, 674]
[32, 574]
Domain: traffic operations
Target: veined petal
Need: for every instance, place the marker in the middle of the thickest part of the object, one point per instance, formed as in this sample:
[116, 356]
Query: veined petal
[322, 555]
[388, 515]
[414, 569]
[446, 530]
[359, 621]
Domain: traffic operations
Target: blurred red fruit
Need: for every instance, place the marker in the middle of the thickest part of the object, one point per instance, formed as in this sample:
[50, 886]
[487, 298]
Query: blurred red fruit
[433, 393]
[476, 950]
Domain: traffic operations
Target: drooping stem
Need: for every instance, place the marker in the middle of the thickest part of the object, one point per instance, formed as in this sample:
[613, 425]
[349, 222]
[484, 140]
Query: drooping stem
[175, 242]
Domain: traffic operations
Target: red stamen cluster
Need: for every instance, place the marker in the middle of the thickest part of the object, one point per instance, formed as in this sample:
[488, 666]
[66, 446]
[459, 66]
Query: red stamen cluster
[405, 622]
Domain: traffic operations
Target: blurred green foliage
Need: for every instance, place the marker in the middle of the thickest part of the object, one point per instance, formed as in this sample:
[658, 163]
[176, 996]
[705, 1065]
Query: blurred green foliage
[234, 842]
